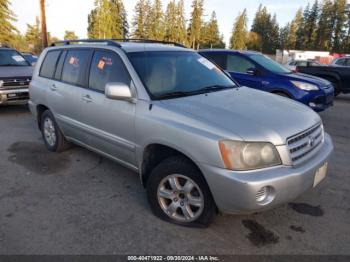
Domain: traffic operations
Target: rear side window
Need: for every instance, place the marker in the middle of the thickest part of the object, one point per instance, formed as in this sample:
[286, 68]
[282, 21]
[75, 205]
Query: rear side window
[75, 66]
[238, 64]
[219, 59]
[107, 67]
[340, 62]
[49, 65]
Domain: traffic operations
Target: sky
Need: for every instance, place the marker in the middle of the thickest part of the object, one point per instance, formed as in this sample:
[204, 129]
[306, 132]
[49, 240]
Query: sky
[72, 14]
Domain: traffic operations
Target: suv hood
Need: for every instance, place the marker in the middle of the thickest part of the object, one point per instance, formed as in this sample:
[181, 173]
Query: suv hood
[248, 113]
[16, 71]
[310, 79]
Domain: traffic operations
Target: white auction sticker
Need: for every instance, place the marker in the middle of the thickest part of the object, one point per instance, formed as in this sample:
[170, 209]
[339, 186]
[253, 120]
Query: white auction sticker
[206, 63]
[18, 58]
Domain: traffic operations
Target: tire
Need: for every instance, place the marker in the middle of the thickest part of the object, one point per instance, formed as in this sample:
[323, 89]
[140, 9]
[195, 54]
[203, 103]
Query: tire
[53, 138]
[182, 172]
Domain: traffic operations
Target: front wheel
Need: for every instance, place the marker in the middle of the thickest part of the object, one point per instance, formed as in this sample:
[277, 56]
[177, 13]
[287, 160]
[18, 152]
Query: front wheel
[178, 193]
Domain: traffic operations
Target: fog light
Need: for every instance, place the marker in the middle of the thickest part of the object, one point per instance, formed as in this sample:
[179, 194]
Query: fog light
[265, 195]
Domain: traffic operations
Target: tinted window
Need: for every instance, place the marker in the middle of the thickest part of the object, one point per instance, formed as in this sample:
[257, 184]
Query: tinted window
[269, 64]
[49, 65]
[165, 73]
[75, 66]
[107, 67]
[10, 57]
[59, 67]
[302, 63]
[347, 63]
[238, 64]
[219, 59]
[340, 62]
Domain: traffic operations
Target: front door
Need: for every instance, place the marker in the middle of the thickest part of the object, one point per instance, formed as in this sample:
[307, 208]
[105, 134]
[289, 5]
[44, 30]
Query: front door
[109, 123]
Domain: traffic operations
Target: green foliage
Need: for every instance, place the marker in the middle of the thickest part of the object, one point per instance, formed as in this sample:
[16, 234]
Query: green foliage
[70, 35]
[196, 24]
[107, 20]
[210, 34]
[7, 30]
[239, 36]
[142, 20]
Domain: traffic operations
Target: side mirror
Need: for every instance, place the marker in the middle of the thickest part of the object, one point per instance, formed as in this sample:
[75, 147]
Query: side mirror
[118, 91]
[252, 71]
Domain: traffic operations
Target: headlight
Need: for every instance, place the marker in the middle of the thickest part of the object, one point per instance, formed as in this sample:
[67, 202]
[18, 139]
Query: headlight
[305, 86]
[240, 156]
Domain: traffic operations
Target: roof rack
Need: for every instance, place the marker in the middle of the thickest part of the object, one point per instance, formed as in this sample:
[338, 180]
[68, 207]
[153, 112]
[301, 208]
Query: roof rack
[69, 42]
[114, 42]
[148, 41]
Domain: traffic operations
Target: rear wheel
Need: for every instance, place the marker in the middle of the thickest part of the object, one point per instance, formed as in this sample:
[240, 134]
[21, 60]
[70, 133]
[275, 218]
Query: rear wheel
[178, 193]
[52, 135]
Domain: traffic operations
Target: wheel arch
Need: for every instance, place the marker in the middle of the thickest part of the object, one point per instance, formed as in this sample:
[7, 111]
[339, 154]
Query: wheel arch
[40, 109]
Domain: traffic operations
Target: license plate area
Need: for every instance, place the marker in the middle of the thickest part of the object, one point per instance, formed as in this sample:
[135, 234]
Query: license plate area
[320, 174]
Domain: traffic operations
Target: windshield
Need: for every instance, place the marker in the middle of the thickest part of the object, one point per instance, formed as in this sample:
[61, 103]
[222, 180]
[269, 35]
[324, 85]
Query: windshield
[269, 64]
[12, 58]
[173, 74]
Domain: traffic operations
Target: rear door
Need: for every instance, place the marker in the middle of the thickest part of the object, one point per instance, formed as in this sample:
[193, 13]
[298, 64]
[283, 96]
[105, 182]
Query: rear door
[66, 91]
[109, 123]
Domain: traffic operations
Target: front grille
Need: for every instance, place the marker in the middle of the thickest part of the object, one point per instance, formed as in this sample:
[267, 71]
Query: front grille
[303, 145]
[12, 83]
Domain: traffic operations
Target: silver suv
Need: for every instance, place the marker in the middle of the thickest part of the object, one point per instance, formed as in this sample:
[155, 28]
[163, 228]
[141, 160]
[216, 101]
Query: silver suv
[199, 142]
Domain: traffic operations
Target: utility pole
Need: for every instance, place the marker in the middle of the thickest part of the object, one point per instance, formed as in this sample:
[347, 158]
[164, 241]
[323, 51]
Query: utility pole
[43, 23]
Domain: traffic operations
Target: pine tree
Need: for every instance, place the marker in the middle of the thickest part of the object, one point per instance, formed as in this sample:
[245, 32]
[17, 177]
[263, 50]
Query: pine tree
[274, 36]
[339, 24]
[33, 37]
[170, 22]
[196, 24]
[310, 27]
[70, 35]
[141, 20]
[7, 30]
[181, 32]
[284, 36]
[210, 34]
[157, 26]
[239, 33]
[293, 29]
[325, 26]
[107, 20]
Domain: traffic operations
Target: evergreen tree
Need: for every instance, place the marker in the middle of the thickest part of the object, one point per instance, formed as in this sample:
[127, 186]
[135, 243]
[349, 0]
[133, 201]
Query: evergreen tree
[141, 21]
[33, 37]
[170, 22]
[7, 30]
[274, 35]
[325, 26]
[107, 20]
[340, 23]
[254, 41]
[310, 27]
[181, 32]
[292, 30]
[196, 24]
[70, 35]
[284, 36]
[210, 35]
[239, 33]
[157, 26]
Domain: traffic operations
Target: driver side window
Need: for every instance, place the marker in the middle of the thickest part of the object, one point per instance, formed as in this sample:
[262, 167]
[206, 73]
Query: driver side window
[238, 64]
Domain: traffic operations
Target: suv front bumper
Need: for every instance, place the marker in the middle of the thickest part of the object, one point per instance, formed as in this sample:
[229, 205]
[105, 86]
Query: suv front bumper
[238, 192]
[14, 96]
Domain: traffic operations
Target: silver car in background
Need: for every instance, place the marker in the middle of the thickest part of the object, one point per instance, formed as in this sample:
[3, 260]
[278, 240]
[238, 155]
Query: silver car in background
[199, 142]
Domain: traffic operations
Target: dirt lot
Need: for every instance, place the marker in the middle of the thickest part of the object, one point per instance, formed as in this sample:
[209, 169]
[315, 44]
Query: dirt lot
[80, 203]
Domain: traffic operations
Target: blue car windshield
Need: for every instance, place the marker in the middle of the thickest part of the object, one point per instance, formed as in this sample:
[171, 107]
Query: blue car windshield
[12, 58]
[171, 74]
[269, 64]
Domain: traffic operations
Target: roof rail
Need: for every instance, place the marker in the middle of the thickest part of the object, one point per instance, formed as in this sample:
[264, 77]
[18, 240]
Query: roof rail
[148, 41]
[69, 42]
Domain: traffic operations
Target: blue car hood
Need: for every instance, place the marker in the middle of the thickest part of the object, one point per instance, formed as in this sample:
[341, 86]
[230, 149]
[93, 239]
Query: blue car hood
[308, 78]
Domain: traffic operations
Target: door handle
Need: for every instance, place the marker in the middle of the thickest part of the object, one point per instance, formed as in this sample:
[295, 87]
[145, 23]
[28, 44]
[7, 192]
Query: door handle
[53, 87]
[86, 98]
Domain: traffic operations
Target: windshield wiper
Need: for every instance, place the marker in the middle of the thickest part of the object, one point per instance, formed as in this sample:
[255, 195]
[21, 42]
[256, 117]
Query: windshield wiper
[173, 95]
[212, 88]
